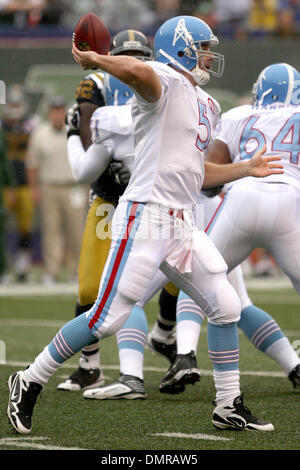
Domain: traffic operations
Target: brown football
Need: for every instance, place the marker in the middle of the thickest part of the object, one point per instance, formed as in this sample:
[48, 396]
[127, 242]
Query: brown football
[91, 34]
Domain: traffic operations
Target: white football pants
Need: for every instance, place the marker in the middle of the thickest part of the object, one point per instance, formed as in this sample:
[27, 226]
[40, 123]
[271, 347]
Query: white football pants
[260, 215]
[144, 240]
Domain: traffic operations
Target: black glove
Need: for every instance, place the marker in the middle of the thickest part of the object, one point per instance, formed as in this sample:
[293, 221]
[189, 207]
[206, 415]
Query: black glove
[212, 192]
[120, 172]
[72, 120]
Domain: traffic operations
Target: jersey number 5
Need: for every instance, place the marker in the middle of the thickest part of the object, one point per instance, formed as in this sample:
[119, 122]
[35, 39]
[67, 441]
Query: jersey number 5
[204, 136]
[286, 140]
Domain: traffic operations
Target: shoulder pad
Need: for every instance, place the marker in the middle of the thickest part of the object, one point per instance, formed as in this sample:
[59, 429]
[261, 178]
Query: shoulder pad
[113, 119]
[239, 112]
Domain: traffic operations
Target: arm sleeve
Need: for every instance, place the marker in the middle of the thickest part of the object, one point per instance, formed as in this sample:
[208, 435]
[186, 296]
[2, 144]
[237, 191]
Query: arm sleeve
[87, 166]
[166, 75]
[89, 95]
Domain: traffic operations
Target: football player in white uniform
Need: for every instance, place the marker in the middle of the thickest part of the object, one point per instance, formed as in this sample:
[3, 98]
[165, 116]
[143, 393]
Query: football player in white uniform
[268, 208]
[112, 144]
[259, 327]
[255, 213]
[153, 227]
[111, 127]
[108, 181]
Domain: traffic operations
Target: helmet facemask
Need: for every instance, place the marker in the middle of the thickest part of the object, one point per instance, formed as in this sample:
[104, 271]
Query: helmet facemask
[202, 73]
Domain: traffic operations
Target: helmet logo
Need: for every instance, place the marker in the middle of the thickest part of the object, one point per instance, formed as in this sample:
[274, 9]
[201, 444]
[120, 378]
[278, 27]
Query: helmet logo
[260, 80]
[132, 43]
[181, 32]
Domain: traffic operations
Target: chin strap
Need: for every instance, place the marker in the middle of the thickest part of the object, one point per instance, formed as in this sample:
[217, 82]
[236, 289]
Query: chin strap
[201, 77]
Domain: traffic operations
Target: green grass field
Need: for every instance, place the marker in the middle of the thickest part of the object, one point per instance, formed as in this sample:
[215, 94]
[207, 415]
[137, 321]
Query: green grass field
[64, 420]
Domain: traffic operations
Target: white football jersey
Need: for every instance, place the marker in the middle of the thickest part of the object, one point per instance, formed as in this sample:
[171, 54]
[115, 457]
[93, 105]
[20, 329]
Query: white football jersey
[112, 127]
[171, 139]
[246, 129]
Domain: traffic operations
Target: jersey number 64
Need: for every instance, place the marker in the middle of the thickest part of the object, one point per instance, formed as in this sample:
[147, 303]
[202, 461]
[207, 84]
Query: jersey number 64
[286, 140]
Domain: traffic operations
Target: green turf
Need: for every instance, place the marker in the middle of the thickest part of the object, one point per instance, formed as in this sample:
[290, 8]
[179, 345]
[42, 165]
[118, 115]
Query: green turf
[67, 420]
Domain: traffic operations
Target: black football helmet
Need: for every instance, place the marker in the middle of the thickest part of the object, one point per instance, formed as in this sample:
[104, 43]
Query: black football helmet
[134, 41]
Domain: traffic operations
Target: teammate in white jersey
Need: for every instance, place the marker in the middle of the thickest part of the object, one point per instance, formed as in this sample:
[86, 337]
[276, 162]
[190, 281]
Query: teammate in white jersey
[260, 328]
[166, 151]
[256, 213]
[111, 134]
[262, 213]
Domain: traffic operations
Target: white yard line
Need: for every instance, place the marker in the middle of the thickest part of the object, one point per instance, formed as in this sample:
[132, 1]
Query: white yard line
[31, 322]
[26, 290]
[274, 299]
[28, 442]
[31, 442]
[41, 323]
[206, 437]
[268, 283]
[204, 372]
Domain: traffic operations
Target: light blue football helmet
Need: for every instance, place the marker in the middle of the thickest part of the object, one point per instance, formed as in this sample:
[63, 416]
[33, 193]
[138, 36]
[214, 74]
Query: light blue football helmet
[277, 83]
[116, 92]
[178, 42]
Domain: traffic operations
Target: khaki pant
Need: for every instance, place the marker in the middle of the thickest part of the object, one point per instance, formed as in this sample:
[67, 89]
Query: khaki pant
[23, 209]
[64, 210]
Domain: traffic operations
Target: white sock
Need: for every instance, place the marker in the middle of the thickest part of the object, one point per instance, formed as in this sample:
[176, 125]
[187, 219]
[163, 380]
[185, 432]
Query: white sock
[284, 354]
[187, 336]
[227, 386]
[131, 362]
[42, 369]
[161, 334]
[89, 361]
